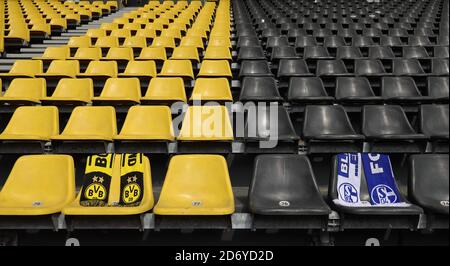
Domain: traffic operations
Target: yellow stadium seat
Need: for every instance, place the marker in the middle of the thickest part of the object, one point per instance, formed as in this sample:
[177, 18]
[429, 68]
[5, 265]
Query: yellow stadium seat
[120, 54]
[121, 33]
[88, 54]
[80, 41]
[219, 41]
[194, 41]
[166, 42]
[165, 90]
[148, 33]
[100, 69]
[23, 69]
[120, 91]
[75, 208]
[109, 26]
[121, 21]
[146, 123]
[144, 70]
[96, 33]
[217, 53]
[90, 123]
[177, 68]
[71, 92]
[135, 42]
[206, 123]
[18, 33]
[196, 185]
[38, 185]
[62, 69]
[173, 33]
[54, 53]
[186, 53]
[25, 91]
[215, 68]
[212, 89]
[157, 54]
[32, 123]
[133, 27]
[107, 42]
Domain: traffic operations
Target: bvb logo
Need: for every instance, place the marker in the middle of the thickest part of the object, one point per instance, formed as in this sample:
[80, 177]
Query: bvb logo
[95, 191]
[131, 193]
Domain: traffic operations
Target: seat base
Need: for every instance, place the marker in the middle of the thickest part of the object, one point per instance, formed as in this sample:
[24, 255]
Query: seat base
[281, 147]
[334, 147]
[40, 222]
[22, 147]
[351, 221]
[395, 146]
[222, 147]
[104, 222]
[87, 147]
[141, 146]
[437, 221]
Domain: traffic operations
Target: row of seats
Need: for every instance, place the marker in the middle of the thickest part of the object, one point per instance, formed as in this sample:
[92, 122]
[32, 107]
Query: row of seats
[281, 185]
[127, 90]
[27, 20]
[321, 123]
[116, 91]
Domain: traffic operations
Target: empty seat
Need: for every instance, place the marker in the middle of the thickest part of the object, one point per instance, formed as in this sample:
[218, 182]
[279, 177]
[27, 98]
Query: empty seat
[316, 52]
[118, 203]
[434, 121]
[59, 69]
[323, 124]
[71, 92]
[438, 88]
[79, 41]
[165, 90]
[205, 191]
[261, 129]
[186, 53]
[259, 89]
[251, 53]
[440, 67]
[23, 69]
[211, 89]
[215, 68]
[177, 68]
[348, 52]
[100, 70]
[194, 127]
[90, 123]
[31, 123]
[107, 42]
[428, 182]
[381, 52]
[144, 70]
[54, 53]
[331, 68]
[120, 54]
[355, 90]
[415, 52]
[400, 89]
[24, 91]
[407, 67]
[157, 54]
[292, 68]
[87, 54]
[285, 184]
[388, 123]
[307, 90]
[369, 67]
[282, 52]
[38, 185]
[120, 91]
[217, 53]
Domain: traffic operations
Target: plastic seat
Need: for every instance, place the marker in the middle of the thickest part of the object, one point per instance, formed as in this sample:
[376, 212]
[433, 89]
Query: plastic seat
[23, 69]
[177, 68]
[120, 91]
[415, 52]
[194, 127]
[79, 41]
[184, 194]
[334, 41]
[331, 68]
[107, 42]
[157, 54]
[87, 54]
[251, 53]
[112, 208]
[440, 67]
[407, 67]
[387, 122]
[305, 41]
[419, 41]
[434, 121]
[428, 182]
[293, 68]
[32, 123]
[381, 52]
[285, 185]
[325, 123]
[215, 68]
[62, 69]
[165, 90]
[71, 92]
[185, 53]
[144, 70]
[217, 53]
[282, 52]
[100, 70]
[348, 52]
[247, 41]
[89, 123]
[307, 90]
[194, 41]
[441, 52]
[354, 90]
[203, 91]
[147, 123]
[369, 67]
[259, 89]
[96, 33]
[54, 53]
[38, 185]
[316, 52]
[24, 91]
[400, 89]
[121, 33]
[438, 88]
[166, 42]
[362, 41]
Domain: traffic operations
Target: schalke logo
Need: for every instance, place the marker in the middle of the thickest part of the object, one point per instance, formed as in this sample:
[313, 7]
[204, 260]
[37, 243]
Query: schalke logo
[348, 193]
[383, 194]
